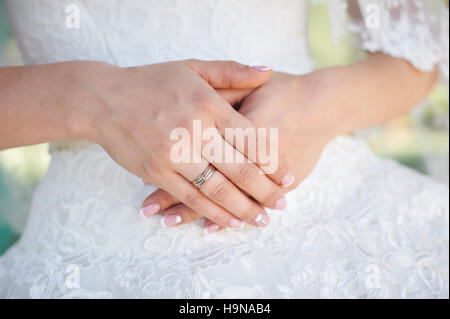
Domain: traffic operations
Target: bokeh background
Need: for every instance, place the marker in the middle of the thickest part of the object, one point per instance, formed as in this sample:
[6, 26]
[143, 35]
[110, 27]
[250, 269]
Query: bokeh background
[419, 140]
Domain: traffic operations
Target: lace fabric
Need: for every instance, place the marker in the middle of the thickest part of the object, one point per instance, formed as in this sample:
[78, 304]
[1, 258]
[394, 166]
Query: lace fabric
[414, 30]
[373, 229]
[357, 227]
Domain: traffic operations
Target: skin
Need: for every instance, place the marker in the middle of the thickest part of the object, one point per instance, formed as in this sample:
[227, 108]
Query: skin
[131, 113]
[310, 110]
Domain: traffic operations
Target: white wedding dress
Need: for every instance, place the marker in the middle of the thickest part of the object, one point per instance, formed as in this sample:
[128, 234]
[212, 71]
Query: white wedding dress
[357, 227]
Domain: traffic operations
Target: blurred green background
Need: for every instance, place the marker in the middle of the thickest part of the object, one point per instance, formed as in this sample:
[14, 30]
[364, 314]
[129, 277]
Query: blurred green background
[419, 140]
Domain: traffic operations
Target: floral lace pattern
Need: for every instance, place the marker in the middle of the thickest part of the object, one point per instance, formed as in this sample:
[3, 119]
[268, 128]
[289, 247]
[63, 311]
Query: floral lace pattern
[414, 30]
[357, 227]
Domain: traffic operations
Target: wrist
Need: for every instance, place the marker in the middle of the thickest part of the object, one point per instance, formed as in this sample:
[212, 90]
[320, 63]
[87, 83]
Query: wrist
[329, 108]
[83, 95]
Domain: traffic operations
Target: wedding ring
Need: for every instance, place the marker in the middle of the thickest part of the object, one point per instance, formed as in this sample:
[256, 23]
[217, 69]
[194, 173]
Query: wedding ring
[203, 177]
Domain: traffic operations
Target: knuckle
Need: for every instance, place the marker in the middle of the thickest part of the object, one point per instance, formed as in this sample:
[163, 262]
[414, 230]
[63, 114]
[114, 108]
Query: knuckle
[194, 200]
[246, 174]
[233, 65]
[221, 191]
[167, 199]
[252, 148]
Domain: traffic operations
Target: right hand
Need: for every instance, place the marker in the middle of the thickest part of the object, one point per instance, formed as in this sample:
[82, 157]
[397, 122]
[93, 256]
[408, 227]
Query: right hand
[132, 111]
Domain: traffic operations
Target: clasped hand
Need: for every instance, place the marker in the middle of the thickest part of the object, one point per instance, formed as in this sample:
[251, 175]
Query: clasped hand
[140, 107]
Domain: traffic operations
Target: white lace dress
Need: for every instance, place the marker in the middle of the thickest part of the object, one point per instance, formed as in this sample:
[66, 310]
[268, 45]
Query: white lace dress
[357, 227]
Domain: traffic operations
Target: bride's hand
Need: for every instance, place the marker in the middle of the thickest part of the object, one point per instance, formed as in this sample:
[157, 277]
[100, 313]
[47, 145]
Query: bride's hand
[301, 107]
[137, 108]
[303, 113]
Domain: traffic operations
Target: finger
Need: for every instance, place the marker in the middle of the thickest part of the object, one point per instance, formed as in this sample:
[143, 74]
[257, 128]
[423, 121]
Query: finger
[230, 74]
[260, 145]
[170, 205]
[179, 187]
[211, 227]
[233, 97]
[186, 215]
[243, 173]
[224, 193]
[281, 175]
[157, 202]
[230, 118]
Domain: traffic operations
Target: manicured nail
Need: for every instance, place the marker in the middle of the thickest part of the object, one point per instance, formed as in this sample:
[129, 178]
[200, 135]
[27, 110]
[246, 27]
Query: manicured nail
[261, 68]
[287, 180]
[262, 220]
[280, 204]
[170, 220]
[211, 229]
[149, 210]
[236, 223]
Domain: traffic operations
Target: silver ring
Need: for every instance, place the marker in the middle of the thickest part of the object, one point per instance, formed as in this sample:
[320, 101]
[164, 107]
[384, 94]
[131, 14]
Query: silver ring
[203, 177]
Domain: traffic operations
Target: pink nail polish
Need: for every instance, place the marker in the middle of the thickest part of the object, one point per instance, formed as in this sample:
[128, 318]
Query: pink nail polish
[280, 204]
[170, 220]
[211, 229]
[236, 223]
[262, 220]
[149, 210]
[261, 68]
[287, 180]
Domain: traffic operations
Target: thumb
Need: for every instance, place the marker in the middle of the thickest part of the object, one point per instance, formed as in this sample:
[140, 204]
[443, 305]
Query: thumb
[234, 97]
[230, 74]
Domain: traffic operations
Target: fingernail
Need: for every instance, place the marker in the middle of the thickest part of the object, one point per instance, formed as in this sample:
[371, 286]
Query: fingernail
[287, 180]
[262, 220]
[236, 223]
[261, 68]
[149, 210]
[145, 182]
[211, 229]
[280, 204]
[170, 220]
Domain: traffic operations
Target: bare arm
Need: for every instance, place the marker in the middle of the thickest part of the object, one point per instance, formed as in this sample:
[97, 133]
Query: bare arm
[32, 104]
[370, 92]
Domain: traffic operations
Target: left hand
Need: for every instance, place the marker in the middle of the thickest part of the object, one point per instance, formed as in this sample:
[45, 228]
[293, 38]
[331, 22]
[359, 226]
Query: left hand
[301, 109]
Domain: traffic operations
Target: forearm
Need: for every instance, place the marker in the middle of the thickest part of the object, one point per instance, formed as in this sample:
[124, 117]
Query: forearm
[34, 107]
[374, 91]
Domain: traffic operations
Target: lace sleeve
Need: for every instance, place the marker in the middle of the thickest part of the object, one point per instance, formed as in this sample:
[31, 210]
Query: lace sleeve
[414, 30]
